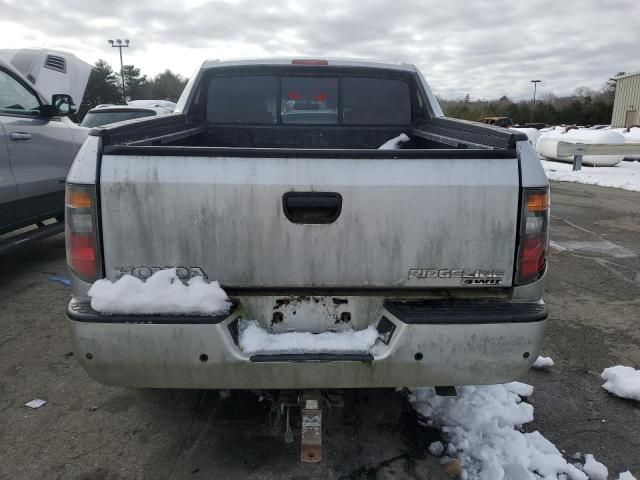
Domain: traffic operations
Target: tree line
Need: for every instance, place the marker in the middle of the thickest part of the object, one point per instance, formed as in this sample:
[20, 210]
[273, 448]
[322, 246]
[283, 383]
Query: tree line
[584, 107]
[105, 86]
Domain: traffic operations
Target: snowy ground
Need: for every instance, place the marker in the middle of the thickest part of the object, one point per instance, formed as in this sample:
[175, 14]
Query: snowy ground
[625, 175]
[482, 432]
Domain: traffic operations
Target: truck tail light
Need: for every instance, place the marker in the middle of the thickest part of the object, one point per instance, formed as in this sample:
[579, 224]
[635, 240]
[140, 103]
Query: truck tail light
[534, 235]
[81, 232]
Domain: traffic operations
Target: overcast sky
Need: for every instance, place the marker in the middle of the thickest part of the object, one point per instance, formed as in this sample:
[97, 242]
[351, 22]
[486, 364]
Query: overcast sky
[484, 48]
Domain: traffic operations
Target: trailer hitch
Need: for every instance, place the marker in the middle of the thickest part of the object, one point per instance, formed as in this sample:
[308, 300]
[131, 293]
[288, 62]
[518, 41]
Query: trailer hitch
[313, 405]
[311, 435]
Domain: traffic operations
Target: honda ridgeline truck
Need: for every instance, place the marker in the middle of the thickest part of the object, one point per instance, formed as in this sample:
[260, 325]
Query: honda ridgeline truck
[269, 180]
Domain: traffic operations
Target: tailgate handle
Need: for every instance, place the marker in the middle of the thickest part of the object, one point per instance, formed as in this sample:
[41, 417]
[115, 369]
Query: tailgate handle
[312, 207]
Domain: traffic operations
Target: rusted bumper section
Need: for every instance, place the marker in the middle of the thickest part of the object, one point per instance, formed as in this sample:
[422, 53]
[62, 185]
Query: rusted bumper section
[419, 345]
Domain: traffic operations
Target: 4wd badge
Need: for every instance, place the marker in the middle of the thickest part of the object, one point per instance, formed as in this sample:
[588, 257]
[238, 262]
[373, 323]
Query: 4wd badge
[467, 276]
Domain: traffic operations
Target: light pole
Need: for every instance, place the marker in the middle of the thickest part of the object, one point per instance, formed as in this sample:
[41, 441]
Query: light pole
[120, 45]
[535, 85]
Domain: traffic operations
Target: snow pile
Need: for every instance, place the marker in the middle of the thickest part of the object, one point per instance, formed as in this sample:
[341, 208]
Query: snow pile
[625, 175]
[622, 381]
[626, 476]
[255, 339]
[162, 292]
[481, 427]
[543, 363]
[395, 142]
[533, 134]
[594, 469]
[436, 449]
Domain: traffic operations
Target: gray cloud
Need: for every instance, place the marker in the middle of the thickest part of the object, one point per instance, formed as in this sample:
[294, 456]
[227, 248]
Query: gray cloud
[486, 49]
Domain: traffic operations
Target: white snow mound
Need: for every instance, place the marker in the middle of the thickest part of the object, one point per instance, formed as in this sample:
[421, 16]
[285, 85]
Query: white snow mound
[395, 142]
[533, 134]
[162, 292]
[543, 363]
[481, 426]
[622, 381]
[626, 476]
[625, 175]
[436, 449]
[594, 469]
[255, 339]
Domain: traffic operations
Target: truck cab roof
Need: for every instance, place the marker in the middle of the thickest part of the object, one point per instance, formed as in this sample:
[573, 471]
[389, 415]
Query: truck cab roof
[302, 61]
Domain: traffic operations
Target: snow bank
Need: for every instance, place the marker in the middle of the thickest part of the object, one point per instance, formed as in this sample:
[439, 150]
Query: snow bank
[594, 469]
[163, 292]
[532, 134]
[394, 143]
[625, 175]
[254, 339]
[481, 427]
[543, 363]
[547, 145]
[622, 381]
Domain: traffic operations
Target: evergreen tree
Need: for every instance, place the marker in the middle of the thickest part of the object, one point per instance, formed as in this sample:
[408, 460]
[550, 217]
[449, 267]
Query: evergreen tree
[102, 87]
[136, 85]
[168, 86]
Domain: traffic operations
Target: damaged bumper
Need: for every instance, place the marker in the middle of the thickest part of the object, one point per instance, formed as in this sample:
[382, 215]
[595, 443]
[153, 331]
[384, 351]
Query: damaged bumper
[420, 344]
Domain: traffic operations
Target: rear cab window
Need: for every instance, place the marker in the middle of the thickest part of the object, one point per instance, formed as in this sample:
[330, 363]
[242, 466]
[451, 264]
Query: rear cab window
[376, 101]
[331, 99]
[243, 99]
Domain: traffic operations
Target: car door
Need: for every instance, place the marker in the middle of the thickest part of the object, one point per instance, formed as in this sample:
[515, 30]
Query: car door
[40, 148]
[7, 185]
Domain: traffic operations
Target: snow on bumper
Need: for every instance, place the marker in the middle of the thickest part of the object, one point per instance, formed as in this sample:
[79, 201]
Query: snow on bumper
[206, 355]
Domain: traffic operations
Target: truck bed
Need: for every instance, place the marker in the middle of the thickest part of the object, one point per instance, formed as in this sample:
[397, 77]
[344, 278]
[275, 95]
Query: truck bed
[437, 134]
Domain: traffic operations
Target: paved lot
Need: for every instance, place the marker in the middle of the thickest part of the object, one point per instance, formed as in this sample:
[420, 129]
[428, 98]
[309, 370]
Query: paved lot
[88, 431]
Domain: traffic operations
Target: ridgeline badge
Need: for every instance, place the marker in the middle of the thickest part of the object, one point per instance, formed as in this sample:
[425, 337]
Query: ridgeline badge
[467, 276]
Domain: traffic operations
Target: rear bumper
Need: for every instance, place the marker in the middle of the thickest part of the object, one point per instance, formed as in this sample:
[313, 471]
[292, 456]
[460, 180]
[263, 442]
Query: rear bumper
[429, 344]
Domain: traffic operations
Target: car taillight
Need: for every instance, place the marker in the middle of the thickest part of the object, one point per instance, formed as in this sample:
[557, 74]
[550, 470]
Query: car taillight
[81, 232]
[534, 235]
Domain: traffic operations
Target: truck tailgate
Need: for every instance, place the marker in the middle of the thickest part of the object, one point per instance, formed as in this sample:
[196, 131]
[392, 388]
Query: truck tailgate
[403, 222]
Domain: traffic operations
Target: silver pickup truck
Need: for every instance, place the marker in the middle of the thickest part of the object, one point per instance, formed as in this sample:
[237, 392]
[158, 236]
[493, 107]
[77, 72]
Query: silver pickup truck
[269, 180]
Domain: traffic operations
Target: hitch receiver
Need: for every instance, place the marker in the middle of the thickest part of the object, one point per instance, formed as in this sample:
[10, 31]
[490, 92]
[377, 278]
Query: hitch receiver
[311, 438]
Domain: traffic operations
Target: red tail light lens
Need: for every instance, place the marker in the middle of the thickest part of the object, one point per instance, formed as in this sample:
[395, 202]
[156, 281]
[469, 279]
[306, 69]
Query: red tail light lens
[534, 236]
[81, 239]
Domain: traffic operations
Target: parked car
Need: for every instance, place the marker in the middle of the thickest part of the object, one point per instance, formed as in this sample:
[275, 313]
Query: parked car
[37, 146]
[105, 114]
[264, 181]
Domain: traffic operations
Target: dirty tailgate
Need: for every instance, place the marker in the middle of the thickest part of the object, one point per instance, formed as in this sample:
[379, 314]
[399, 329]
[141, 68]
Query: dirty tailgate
[403, 222]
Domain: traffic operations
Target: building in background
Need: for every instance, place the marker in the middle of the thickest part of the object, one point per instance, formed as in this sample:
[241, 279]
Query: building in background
[627, 101]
